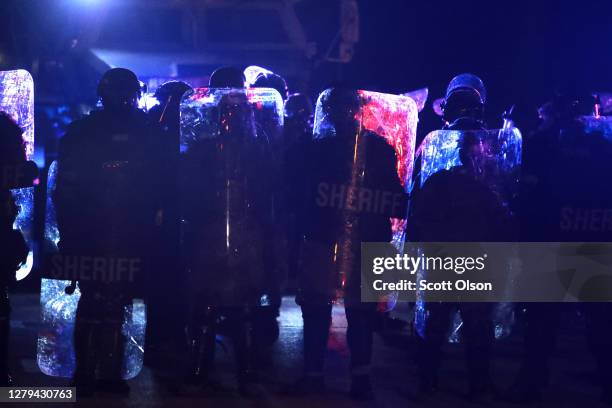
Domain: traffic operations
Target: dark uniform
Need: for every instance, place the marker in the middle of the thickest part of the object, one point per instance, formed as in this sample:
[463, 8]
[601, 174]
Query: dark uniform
[166, 314]
[297, 135]
[455, 206]
[226, 202]
[333, 171]
[265, 319]
[107, 198]
[562, 192]
[460, 205]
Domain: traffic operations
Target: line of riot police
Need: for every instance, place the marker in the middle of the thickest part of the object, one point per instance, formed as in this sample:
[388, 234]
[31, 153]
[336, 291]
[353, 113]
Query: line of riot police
[211, 194]
[220, 194]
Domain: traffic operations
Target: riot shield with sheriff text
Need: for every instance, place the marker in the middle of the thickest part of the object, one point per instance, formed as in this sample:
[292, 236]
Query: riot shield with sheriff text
[104, 196]
[354, 176]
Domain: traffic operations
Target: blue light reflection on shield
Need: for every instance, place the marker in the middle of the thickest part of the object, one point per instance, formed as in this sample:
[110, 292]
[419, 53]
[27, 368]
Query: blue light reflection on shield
[17, 100]
[439, 151]
[55, 349]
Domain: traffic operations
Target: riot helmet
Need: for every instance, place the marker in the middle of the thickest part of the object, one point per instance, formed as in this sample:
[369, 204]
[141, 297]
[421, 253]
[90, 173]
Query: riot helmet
[272, 80]
[298, 106]
[465, 97]
[119, 89]
[171, 89]
[226, 77]
[342, 107]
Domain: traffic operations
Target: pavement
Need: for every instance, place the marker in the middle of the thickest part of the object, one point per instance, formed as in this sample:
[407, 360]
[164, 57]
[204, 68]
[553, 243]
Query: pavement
[393, 372]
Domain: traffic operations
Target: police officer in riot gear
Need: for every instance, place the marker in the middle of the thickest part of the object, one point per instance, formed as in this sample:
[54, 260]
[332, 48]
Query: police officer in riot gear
[458, 205]
[265, 324]
[332, 233]
[107, 201]
[166, 113]
[297, 135]
[228, 214]
[165, 314]
[561, 197]
[15, 250]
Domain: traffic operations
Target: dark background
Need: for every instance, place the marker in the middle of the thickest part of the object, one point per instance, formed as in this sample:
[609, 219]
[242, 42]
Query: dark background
[523, 50]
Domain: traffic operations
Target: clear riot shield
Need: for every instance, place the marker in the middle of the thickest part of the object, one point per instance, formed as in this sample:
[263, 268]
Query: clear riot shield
[359, 169]
[502, 148]
[419, 96]
[395, 119]
[17, 100]
[225, 185]
[109, 197]
[58, 301]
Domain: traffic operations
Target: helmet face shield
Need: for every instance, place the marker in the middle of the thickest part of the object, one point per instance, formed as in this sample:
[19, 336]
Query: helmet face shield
[463, 103]
[469, 82]
[465, 97]
[338, 113]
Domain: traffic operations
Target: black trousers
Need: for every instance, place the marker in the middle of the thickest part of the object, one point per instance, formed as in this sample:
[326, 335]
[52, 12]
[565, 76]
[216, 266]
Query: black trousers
[542, 324]
[98, 339]
[361, 321]
[599, 338]
[165, 287]
[477, 333]
[266, 331]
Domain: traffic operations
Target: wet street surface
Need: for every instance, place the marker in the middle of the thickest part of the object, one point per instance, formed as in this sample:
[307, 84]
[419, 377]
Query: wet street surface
[393, 372]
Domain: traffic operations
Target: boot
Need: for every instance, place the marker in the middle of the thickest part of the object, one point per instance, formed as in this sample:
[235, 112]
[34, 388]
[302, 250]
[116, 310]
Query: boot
[202, 345]
[85, 347]
[111, 370]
